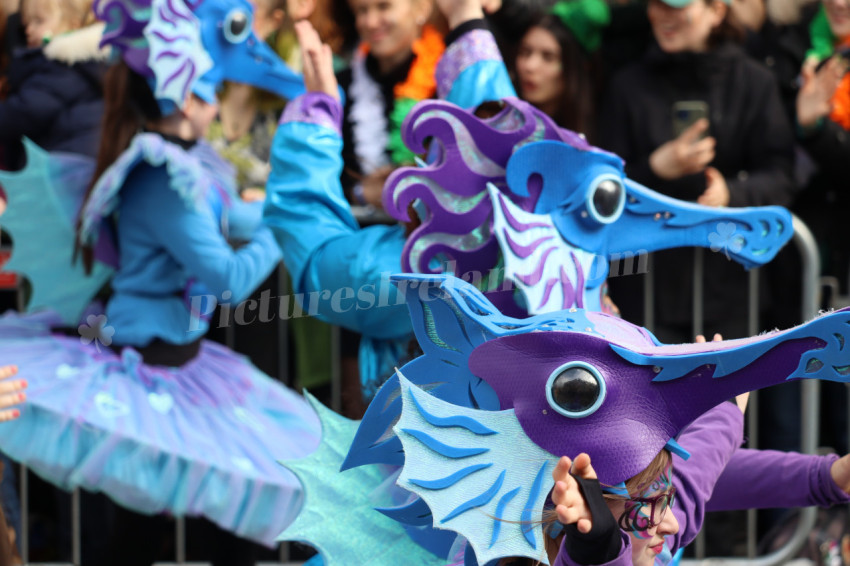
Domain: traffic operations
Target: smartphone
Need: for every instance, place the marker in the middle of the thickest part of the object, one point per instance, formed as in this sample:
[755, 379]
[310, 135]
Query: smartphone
[686, 112]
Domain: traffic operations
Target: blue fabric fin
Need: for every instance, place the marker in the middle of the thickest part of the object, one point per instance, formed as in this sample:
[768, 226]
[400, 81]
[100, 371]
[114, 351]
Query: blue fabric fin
[463, 487]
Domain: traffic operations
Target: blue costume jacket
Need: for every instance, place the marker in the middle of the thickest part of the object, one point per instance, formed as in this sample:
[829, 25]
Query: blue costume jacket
[341, 272]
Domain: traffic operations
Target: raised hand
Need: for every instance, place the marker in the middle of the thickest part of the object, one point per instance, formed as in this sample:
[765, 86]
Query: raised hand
[570, 504]
[814, 100]
[318, 61]
[717, 191]
[460, 11]
[685, 155]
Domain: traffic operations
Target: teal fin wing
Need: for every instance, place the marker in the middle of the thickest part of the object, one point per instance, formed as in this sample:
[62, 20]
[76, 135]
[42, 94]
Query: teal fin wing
[43, 200]
[339, 506]
[482, 477]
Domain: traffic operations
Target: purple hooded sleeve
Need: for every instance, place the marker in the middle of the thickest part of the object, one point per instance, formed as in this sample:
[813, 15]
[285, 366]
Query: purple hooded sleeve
[758, 479]
[711, 440]
[622, 559]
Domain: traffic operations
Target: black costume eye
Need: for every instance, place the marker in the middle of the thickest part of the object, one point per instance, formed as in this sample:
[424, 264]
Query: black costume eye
[575, 390]
[606, 200]
[237, 26]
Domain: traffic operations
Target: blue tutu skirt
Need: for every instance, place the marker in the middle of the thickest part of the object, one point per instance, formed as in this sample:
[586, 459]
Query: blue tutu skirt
[202, 439]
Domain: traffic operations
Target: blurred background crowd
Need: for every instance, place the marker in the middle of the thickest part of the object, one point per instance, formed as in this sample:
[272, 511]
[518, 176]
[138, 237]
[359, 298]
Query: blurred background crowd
[739, 103]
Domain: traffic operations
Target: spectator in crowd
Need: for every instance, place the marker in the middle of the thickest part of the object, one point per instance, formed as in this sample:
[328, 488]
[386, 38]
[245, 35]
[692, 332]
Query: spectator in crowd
[392, 69]
[55, 84]
[698, 120]
[558, 66]
[823, 121]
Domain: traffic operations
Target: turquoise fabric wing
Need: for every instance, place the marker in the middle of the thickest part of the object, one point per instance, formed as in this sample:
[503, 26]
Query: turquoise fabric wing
[482, 467]
[338, 516]
[186, 176]
[43, 201]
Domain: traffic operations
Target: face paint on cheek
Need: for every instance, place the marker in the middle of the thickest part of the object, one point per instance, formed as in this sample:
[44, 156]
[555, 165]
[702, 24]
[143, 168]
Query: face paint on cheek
[661, 484]
[641, 514]
[639, 517]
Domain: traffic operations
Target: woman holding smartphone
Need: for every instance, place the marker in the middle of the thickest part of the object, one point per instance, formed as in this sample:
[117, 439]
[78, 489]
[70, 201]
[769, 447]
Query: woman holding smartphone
[734, 148]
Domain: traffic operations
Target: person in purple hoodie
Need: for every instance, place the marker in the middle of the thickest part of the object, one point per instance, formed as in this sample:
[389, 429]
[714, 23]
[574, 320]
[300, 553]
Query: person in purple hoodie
[718, 476]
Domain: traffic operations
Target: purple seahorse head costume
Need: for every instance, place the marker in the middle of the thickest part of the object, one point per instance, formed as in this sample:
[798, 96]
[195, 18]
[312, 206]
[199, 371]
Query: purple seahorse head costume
[484, 414]
[515, 197]
[191, 46]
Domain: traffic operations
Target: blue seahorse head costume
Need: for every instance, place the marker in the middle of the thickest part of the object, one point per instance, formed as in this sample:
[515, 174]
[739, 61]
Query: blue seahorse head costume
[192, 46]
[516, 199]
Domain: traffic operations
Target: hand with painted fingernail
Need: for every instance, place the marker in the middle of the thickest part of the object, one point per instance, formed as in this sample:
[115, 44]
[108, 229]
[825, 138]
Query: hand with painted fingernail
[11, 393]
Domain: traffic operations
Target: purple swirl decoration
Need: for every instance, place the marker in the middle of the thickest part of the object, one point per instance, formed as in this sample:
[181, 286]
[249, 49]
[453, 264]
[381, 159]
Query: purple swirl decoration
[470, 152]
[126, 21]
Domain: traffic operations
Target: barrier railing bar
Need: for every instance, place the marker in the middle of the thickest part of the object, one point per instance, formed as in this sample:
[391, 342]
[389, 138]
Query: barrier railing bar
[76, 529]
[648, 295]
[283, 361]
[180, 544]
[698, 327]
[24, 535]
[807, 246]
[752, 404]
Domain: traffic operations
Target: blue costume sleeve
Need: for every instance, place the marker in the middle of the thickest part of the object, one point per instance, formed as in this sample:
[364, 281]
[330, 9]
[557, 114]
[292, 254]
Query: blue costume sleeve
[194, 239]
[243, 219]
[472, 71]
[341, 270]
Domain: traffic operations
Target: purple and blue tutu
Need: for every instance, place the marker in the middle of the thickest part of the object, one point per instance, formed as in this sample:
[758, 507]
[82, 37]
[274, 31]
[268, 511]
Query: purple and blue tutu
[201, 439]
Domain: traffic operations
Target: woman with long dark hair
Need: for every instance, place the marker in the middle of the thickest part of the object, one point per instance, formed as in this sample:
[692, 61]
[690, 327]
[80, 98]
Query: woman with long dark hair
[558, 66]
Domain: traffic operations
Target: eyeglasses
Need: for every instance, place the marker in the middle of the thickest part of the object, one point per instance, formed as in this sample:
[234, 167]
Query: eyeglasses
[643, 513]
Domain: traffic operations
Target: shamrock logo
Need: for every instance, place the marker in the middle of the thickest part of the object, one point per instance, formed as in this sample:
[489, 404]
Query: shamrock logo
[725, 240]
[96, 330]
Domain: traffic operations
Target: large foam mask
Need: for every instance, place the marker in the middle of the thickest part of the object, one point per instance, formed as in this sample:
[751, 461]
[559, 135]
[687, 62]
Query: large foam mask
[494, 401]
[516, 198]
[191, 46]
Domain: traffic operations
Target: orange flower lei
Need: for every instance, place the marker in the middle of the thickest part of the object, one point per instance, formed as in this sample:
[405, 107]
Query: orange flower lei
[421, 83]
[841, 99]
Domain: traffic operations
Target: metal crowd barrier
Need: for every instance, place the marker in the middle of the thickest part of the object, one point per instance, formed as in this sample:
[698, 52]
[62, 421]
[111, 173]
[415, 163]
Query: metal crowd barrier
[807, 247]
[809, 403]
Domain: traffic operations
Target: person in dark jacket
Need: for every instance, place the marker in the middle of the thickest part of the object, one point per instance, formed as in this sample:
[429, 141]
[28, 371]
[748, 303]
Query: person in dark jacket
[738, 153]
[55, 84]
[823, 127]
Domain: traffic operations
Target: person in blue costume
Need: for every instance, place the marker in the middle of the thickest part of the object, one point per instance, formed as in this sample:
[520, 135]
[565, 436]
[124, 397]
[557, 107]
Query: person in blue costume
[138, 406]
[324, 247]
